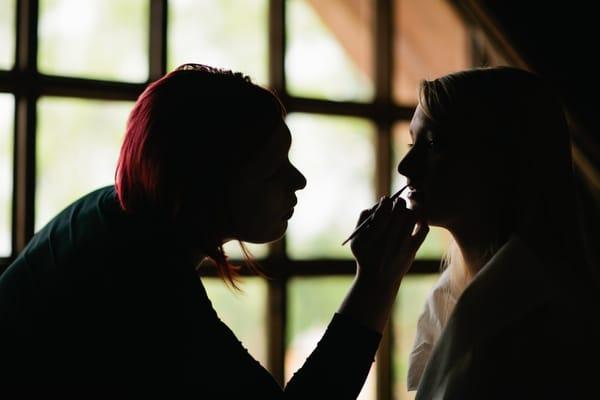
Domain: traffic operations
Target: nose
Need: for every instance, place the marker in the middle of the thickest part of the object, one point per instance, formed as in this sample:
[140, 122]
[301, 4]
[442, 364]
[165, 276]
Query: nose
[408, 165]
[299, 180]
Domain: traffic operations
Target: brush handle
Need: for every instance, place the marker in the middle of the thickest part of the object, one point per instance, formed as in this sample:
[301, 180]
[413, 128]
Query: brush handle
[368, 219]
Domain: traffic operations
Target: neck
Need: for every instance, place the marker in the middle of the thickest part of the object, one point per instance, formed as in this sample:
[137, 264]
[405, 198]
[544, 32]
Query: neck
[473, 241]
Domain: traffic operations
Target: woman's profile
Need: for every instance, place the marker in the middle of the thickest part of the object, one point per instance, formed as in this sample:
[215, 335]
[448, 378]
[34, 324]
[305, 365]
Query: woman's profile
[107, 292]
[514, 315]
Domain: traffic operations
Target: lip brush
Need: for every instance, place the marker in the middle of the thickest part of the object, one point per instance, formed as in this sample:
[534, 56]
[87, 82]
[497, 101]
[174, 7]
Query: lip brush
[368, 219]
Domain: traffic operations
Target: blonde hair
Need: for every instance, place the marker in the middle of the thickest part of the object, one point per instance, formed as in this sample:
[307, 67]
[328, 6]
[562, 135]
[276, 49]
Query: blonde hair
[524, 122]
[462, 274]
[453, 261]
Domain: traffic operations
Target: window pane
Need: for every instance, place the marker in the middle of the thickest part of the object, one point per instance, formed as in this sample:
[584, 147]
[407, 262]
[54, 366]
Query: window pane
[7, 111]
[243, 313]
[312, 303]
[101, 39]
[336, 154]
[438, 239]
[409, 305]
[329, 49]
[228, 34]
[7, 34]
[234, 252]
[430, 40]
[78, 143]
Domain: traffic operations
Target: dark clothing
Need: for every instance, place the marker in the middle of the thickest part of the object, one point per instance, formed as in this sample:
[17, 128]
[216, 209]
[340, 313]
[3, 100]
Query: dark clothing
[100, 297]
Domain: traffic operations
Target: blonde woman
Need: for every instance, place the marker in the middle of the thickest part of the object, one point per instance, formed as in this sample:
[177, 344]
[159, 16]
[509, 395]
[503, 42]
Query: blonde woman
[515, 313]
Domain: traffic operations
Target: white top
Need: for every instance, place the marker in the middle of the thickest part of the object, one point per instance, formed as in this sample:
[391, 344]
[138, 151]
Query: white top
[512, 284]
[433, 319]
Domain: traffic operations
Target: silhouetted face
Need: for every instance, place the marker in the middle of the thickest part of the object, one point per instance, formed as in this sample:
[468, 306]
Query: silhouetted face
[262, 198]
[446, 170]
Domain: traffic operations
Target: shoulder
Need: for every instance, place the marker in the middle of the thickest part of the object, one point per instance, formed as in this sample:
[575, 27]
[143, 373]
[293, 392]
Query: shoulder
[78, 227]
[86, 207]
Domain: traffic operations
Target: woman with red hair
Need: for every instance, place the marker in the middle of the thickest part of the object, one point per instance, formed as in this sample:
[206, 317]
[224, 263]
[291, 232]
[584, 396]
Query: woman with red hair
[109, 287]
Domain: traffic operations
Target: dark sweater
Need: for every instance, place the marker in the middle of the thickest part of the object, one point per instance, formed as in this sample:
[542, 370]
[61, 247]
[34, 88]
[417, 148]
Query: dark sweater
[98, 297]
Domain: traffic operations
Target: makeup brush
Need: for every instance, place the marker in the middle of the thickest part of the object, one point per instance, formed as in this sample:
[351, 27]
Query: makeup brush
[370, 217]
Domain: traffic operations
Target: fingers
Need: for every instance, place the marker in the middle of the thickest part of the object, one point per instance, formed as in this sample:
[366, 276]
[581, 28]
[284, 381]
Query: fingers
[406, 233]
[363, 215]
[393, 224]
[400, 202]
[381, 220]
[402, 222]
[420, 235]
[368, 212]
[386, 245]
[375, 228]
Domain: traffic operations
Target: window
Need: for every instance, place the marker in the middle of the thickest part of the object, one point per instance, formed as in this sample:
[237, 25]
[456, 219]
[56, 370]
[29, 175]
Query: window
[77, 147]
[430, 40]
[100, 39]
[409, 305]
[6, 172]
[339, 182]
[329, 48]
[244, 312]
[7, 33]
[226, 34]
[312, 302]
[347, 72]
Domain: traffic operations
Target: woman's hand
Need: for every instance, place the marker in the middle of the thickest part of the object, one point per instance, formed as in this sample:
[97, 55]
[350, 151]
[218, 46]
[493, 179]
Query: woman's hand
[384, 252]
[386, 248]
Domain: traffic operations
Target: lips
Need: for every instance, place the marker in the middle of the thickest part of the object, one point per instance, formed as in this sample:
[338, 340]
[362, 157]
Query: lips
[415, 195]
[289, 214]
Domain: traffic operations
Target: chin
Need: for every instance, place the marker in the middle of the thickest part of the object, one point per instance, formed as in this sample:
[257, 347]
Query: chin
[273, 235]
[427, 214]
[436, 220]
[280, 232]
[419, 209]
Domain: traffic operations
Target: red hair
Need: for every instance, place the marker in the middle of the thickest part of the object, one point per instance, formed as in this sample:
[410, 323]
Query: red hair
[193, 126]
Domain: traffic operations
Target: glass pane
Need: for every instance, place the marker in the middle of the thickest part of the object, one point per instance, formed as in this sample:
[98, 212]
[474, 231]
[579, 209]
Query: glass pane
[78, 143]
[438, 239]
[409, 305]
[243, 312]
[7, 112]
[312, 303]
[329, 49]
[336, 154]
[7, 34]
[101, 39]
[229, 34]
[430, 40]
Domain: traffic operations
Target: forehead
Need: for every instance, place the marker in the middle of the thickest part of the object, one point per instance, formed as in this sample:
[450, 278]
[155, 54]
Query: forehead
[279, 141]
[420, 122]
[272, 151]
